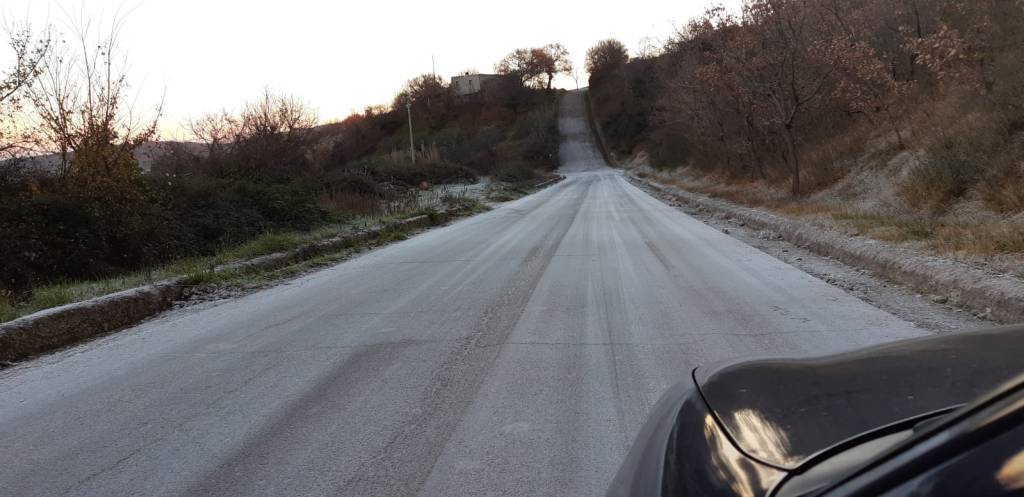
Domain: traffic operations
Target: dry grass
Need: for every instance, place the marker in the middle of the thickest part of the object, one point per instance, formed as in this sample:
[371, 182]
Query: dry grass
[827, 161]
[954, 234]
[970, 151]
[58, 294]
[361, 204]
[424, 154]
[804, 209]
[969, 232]
[746, 192]
[885, 227]
[1003, 188]
[985, 239]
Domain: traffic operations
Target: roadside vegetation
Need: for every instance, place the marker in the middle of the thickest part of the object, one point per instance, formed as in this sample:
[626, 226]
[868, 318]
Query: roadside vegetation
[80, 216]
[902, 121]
[201, 273]
[210, 278]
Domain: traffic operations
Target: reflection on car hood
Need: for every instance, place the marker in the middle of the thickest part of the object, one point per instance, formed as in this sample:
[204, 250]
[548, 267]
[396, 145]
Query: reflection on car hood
[783, 411]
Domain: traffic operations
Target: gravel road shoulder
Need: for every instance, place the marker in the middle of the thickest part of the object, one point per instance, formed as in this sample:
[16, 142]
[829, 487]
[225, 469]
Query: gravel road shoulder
[928, 312]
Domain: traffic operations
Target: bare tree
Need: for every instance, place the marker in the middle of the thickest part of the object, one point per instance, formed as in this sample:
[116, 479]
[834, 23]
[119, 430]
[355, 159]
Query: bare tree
[82, 102]
[276, 114]
[648, 48]
[706, 95]
[553, 59]
[269, 140]
[29, 50]
[778, 61]
[215, 130]
[272, 137]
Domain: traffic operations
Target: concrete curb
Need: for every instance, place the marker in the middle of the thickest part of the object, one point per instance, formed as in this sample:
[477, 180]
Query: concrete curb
[545, 184]
[51, 329]
[1000, 295]
[312, 250]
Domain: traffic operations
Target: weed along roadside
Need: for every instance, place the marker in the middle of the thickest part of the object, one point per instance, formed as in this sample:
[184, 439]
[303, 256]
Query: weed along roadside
[57, 327]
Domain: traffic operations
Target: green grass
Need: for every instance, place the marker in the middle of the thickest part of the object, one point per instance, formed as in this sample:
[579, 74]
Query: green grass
[194, 269]
[250, 277]
[258, 276]
[268, 243]
[7, 310]
[58, 294]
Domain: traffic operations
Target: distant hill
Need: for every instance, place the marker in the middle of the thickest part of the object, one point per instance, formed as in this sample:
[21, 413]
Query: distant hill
[146, 154]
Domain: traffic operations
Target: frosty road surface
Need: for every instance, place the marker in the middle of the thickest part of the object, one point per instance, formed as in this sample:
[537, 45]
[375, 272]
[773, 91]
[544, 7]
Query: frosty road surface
[512, 353]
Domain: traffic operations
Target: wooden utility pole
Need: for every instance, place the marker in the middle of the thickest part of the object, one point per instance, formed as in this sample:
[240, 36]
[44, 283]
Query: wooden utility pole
[412, 144]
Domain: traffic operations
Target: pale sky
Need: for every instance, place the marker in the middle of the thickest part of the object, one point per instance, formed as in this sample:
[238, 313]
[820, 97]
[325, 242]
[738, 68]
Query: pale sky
[340, 56]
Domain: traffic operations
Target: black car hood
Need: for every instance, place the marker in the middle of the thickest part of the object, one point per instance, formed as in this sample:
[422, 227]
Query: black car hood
[781, 412]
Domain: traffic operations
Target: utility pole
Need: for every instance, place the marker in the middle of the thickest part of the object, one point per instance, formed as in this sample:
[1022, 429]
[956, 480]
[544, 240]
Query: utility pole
[412, 144]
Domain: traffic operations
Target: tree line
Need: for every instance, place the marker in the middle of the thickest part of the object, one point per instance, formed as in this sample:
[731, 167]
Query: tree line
[791, 89]
[75, 203]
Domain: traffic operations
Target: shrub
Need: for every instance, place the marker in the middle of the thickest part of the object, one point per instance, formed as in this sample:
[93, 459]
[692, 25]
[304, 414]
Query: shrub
[950, 170]
[213, 217]
[1002, 187]
[282, 206]
[73, 234]
[668, 148]
[349, 182]
[542, 146]
[477, 149]
[516, 172]
[937, 181]
[76, 233]
[343, 205]
[433, 172]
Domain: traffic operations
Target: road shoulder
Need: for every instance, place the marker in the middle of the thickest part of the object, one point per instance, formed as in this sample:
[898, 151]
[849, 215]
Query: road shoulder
[931, 312]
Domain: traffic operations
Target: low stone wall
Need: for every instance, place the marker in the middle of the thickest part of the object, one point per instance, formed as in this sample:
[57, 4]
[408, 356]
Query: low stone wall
[51, 329]
[999, 295]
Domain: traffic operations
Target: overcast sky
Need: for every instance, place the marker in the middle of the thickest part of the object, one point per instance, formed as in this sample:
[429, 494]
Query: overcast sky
[339, 56]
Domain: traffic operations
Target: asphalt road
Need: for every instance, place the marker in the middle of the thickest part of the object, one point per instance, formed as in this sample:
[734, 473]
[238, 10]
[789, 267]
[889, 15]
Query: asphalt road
[513, 353]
